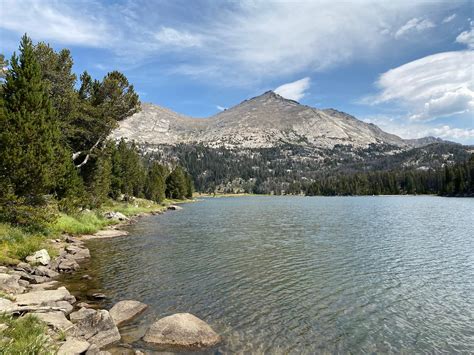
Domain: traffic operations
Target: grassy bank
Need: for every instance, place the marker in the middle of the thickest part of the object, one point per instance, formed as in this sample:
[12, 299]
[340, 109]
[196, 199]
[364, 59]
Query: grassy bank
[16, 243]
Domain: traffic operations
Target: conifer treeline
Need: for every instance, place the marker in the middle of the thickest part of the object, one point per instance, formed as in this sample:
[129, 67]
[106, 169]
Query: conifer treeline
[53, 137]
[452, 180]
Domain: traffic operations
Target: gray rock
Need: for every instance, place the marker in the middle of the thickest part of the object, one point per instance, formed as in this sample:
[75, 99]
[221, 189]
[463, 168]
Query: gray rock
[65, 306]
[97, 327]
[116, 216]
[6, 305]
[40, 257]
[23, 283]
[44, 296]
[3, 270]
[127, 310]
[77, 252]
[44, 286]
[83, 305]
[45, 271]
[56, 320]
[94, 350]
[99, 296]
[174, 207]
[73, 346]
[9, 283]
[24, 267]
[68, 265]
[182, 330]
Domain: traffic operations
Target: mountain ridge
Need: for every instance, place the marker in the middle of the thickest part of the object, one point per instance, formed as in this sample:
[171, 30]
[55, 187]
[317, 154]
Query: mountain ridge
[262, 121]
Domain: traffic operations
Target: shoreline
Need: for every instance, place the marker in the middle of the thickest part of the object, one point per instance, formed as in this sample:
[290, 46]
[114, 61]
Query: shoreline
[34, 288]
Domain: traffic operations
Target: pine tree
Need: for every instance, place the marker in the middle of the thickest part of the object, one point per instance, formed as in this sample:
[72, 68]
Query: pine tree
[176, 184]
[29, 130]
[155, 185]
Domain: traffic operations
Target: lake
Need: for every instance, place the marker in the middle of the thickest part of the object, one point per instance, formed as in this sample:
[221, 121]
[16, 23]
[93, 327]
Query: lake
[302, 275]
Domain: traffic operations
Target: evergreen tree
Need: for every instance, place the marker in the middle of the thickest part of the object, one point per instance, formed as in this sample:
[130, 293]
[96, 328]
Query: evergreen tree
[176, 184]
[29, 130]
[155, 185]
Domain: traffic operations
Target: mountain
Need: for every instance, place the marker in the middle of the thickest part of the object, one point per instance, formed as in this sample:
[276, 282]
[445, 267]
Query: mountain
[264, 121]
[267, 143]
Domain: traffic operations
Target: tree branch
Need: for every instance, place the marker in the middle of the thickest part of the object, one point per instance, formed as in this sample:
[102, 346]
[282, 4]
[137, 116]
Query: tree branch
[77, 154]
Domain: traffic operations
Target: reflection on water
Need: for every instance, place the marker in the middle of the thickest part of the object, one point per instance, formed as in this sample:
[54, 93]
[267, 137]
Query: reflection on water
[302, 275]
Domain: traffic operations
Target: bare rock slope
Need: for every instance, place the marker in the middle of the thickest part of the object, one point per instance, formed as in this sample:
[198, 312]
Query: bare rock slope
[264, 121]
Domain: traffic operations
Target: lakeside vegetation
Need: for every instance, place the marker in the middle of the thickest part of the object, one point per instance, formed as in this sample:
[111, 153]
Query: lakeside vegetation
[59, 172]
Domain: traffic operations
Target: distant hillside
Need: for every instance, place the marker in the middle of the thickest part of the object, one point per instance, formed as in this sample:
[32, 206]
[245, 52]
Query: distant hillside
[271, 141]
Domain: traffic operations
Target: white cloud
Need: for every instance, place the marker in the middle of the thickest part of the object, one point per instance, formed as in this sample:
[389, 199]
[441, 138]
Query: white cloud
[467, 38]
[415, 24]
[409, 129]
[168, 36]
[438, 85]
[295, 90]
[221, 108]
[449, 18]
[57, 23]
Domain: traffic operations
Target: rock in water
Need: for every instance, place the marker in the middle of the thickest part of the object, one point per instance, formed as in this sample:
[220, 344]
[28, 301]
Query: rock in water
[39, 297]
[182, 330]
[125, 311]
[41, 257]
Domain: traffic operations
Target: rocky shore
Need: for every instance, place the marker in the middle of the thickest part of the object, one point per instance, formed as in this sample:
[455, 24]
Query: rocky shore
[76, 328]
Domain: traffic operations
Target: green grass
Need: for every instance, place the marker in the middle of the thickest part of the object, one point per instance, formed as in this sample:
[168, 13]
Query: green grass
[16, 244]
[82, 223]
[24, 335]
[137, 206]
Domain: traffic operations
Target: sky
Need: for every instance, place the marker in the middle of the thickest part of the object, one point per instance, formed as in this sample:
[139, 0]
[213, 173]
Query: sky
[406, 66]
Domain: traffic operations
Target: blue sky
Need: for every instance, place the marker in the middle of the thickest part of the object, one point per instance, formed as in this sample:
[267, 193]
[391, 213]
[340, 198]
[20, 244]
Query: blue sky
[406, 66]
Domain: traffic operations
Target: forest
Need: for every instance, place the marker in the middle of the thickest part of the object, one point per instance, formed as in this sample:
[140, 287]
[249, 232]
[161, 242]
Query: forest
[54, 148]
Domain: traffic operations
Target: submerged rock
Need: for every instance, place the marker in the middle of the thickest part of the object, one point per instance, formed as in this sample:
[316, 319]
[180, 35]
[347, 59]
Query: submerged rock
[125, 311]
[182, 330]
[40, 257]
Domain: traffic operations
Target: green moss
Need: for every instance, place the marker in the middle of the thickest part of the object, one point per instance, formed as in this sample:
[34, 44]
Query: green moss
[24, 335]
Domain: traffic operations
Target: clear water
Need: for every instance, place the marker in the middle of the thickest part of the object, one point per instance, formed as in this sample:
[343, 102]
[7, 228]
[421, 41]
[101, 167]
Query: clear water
[303, 275]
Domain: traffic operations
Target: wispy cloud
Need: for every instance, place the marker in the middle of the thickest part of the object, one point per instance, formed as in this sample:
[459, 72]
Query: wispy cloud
[55, 23]
[449, 18]
[221, 108]
[172, 38]
[414, 25]
[438, 85]
[295, 90]
[467, 38]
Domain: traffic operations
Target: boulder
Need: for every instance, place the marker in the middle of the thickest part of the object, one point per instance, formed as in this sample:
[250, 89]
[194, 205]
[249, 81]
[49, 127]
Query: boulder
[64, 306]
[181, 330]
[44, 286]
[24, 267]
[40, 257]
[56, 320]
[45, 271]
[116, 216]
[73, 346]
[3, 270]
[44, 296]
[125, 311]
[96, 326]
[174, 207]
[9, 283]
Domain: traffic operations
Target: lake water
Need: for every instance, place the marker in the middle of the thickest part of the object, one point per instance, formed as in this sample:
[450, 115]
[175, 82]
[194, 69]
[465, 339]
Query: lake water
[297, 275]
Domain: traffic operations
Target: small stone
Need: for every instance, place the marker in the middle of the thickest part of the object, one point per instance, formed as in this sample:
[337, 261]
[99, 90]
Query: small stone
[68, 265]
[99, 296]
[174, 208]
[44, 271]
[83, 305]
[86, 277]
